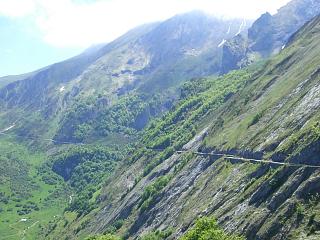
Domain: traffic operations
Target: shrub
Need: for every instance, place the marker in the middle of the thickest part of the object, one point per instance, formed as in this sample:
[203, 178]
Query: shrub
[207, 228]
[152, 190]
[256, 119]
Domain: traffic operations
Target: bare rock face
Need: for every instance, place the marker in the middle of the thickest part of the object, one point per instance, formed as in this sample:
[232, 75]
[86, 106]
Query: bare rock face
[269, 34]
[234, 52]
[260, 34]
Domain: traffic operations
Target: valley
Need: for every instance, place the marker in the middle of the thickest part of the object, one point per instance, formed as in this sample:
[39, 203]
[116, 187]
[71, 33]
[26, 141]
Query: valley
[195, 127]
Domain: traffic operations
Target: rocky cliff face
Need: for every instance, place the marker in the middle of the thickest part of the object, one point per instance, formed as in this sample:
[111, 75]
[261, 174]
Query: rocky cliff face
[234, 54]
[260, 35]
[270, 33]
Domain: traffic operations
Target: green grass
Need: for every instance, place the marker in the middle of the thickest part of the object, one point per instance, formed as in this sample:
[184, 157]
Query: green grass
[267, 102]
[22, 184]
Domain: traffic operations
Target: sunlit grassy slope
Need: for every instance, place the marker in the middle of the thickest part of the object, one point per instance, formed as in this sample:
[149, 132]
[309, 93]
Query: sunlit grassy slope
[27, 203]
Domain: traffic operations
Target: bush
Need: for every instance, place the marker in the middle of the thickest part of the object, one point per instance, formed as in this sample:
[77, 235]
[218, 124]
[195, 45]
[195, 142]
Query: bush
[256, 119]
[152, 190]
[207, 228]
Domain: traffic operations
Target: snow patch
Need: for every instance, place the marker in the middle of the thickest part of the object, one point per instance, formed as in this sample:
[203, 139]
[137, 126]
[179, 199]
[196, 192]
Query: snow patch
[229, 29]
[283, 47]
[242, 26]
[222, 43]
[62, 89]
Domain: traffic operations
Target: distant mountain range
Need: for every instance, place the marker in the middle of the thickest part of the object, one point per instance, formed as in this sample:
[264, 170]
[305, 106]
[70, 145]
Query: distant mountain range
[151, 59]
[166, 52]
[140, 137]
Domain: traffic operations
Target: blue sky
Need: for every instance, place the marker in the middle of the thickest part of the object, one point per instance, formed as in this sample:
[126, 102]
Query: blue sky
[22, 48]
[37, 33]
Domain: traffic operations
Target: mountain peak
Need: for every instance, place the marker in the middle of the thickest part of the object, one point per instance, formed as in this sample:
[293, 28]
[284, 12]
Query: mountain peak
[270, 33]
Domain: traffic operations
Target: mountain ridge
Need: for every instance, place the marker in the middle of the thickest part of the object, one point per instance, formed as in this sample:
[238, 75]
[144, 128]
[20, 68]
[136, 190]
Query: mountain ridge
[136, 141]
[152, 58]
[269, 34]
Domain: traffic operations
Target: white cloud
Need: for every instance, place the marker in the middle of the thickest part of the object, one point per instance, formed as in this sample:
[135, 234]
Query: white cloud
[76, 23]
[16, 8]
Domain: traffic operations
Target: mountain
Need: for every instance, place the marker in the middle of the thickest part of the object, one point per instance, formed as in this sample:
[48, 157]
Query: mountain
[65, 128]
[268, 34]
[13, 78]
[141, 137]
[243, 148]
[147, 60]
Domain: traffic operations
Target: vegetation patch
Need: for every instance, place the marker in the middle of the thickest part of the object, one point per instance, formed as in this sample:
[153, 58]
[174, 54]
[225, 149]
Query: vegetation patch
[207, 228]
[152, 191]
[85, 168]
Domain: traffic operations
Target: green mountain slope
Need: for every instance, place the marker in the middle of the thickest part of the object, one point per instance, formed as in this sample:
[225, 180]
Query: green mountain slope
[267, 112]
[105, 96]
[4, 81]
[89, 146]
[150, 60]
[28, 203]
